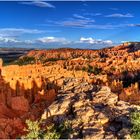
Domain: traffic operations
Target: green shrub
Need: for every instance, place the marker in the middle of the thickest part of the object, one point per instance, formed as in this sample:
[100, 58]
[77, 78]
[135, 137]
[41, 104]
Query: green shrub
[51, 133]
[65, 129]
[58, 131]
[135, 120]
[55, 131]
[33, 130]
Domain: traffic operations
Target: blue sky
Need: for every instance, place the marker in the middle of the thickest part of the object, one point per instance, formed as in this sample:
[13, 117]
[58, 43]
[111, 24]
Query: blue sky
[78, 24]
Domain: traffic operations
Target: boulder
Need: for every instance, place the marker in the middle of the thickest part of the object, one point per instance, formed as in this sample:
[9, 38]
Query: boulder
[20, 103]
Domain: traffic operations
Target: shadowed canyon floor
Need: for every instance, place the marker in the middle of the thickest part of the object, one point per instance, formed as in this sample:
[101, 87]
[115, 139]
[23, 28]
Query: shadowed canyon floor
[95, 90]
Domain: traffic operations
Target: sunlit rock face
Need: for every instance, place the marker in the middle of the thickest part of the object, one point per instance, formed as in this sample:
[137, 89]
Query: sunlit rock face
[25, 91]
[22, 98]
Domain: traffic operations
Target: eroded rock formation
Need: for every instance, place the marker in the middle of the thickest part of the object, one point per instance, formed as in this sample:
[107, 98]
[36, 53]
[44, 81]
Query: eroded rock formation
[93, 89]
[95, 112]
[22, 99]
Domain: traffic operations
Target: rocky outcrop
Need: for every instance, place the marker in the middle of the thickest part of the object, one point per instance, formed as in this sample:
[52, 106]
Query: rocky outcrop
[95, 112]
[20, 103]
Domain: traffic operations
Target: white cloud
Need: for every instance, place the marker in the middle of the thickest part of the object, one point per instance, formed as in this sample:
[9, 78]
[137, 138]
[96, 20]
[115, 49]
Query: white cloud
[8, 40]
[118, 15]
[55, 42]
[18, 31]
[39, 4]
[93, 14]
[29, 41]
[80, 17]
[108, 42]
[83, 23]
[52, 40]
[103, 26]
[87, 40]
[134, 25]
[91, 40]
[75, 22]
